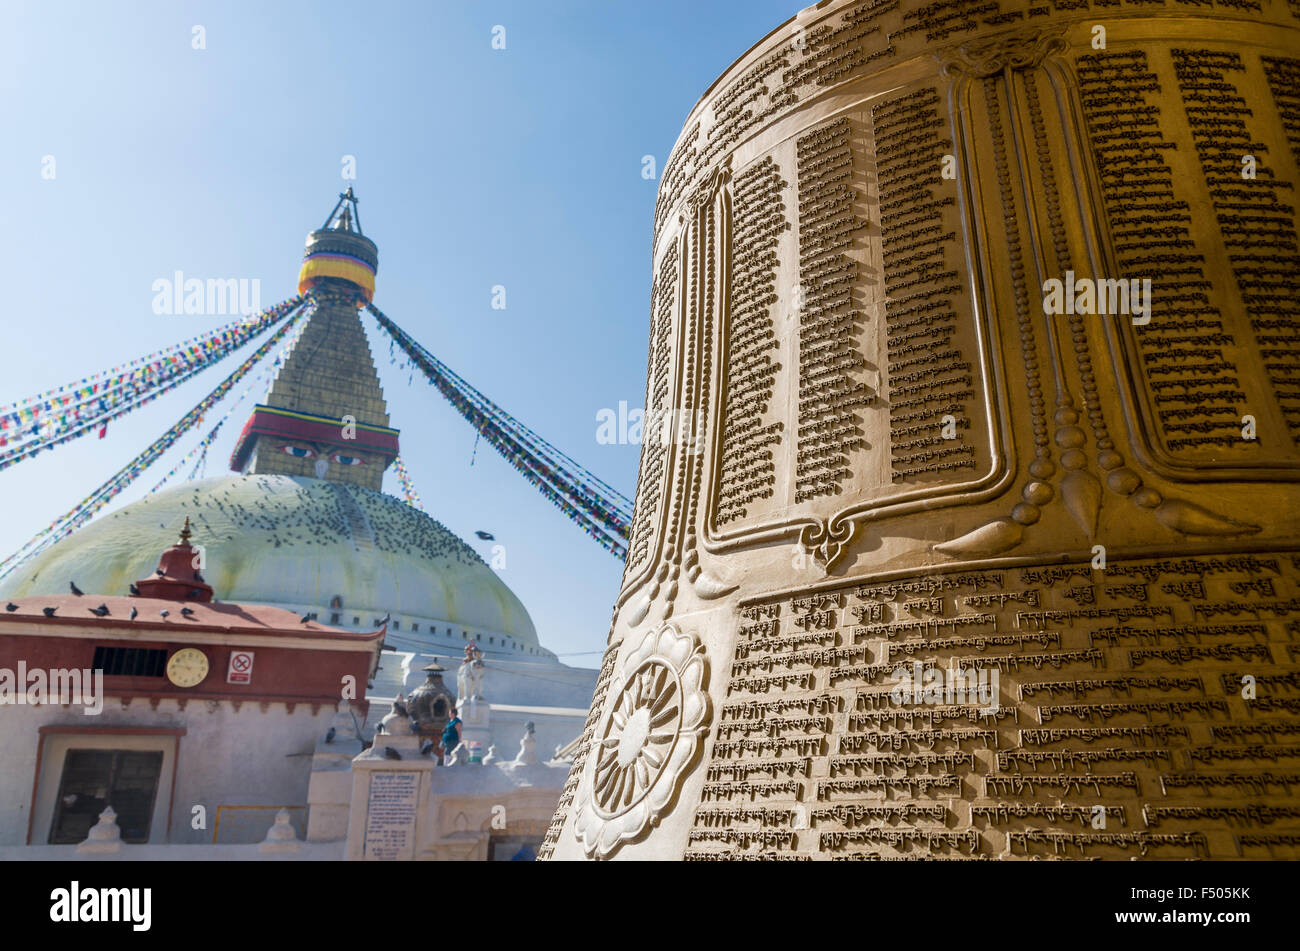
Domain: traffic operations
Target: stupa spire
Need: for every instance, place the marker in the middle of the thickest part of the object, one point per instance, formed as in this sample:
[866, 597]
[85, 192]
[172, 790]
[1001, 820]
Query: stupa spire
[325, 415]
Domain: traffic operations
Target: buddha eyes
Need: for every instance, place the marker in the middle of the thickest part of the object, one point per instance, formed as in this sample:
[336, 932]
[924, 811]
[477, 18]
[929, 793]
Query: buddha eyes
[302, 452]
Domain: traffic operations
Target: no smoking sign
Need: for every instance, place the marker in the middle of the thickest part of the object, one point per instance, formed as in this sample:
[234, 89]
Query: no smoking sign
[240, 670]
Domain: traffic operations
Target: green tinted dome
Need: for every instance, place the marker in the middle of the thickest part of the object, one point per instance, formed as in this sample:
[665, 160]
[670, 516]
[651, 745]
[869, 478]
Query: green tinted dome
[272, 539]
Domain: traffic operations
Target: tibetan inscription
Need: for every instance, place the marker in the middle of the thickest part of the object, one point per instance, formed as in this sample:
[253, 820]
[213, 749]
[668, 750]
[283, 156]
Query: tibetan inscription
[1061, 710]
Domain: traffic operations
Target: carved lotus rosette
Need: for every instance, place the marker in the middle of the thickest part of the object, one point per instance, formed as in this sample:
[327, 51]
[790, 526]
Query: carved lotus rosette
[648, 739]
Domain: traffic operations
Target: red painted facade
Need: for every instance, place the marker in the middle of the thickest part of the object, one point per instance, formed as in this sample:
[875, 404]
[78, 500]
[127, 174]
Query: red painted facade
[307, 662]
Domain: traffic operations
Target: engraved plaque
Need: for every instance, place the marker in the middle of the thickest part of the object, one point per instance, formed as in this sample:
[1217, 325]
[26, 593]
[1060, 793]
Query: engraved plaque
[390, 815]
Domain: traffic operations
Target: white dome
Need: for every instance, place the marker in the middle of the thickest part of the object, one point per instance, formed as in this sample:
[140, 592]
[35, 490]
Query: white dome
[271, 539]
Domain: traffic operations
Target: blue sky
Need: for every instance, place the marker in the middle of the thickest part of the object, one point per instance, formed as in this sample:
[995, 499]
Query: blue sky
[474, 166]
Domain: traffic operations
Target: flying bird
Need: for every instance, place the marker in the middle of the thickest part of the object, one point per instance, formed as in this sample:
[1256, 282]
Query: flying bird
[72, 585]
[49, 612]
[134, 612]
[187, 611]
[486, 536]
[11, 606]
[392, 753]
[134, 589]
[100, 611]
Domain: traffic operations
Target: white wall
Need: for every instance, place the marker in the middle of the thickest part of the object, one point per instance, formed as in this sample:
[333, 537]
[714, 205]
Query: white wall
[226, 757]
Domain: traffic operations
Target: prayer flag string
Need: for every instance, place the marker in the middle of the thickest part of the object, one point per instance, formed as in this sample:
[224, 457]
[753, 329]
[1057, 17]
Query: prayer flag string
[87, 507]
[568, 486]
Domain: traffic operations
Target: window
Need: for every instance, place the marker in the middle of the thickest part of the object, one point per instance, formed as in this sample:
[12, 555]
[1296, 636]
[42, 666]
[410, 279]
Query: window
[334, 617]
[130, 662]
[513, 848]
[397, 625]
[415, 628]
[356, 620]
[127, 780]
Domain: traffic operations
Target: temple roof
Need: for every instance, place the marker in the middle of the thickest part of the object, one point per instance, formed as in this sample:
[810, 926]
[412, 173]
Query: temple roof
[216, 616]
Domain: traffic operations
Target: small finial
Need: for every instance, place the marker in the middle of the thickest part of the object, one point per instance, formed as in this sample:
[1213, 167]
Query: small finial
[185, 532]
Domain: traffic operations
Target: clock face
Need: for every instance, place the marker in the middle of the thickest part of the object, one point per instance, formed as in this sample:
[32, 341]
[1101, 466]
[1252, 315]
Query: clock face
[187, 667]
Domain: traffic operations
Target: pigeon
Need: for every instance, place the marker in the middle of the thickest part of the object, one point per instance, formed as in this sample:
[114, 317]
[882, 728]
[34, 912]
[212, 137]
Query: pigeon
[165, 613]
[392, 753]
[100, 611]
[197, 576]
[400, 708]
[72, 585]
[134, 612]
[486, 536]
[304, 619]
[195, 592]
[187, 611]
[11, 606]
[329, 735]
[49, 612]
[160, 573]
[427, 748]
[134, 589]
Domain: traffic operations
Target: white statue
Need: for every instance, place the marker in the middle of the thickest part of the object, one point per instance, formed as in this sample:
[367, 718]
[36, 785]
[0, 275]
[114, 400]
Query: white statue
[469, 678]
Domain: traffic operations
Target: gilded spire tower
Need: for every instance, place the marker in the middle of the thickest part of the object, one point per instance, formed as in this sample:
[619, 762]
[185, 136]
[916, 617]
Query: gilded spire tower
[325, 415]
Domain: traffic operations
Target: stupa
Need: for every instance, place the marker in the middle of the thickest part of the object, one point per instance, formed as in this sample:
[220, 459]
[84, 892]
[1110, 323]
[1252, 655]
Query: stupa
[304, 524]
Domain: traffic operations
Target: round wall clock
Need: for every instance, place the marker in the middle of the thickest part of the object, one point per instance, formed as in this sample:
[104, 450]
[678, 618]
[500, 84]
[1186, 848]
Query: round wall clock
[187, 667]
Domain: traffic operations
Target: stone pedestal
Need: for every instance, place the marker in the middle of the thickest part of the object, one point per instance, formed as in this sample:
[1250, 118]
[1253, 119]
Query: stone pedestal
[476, 726]
[390, 800]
